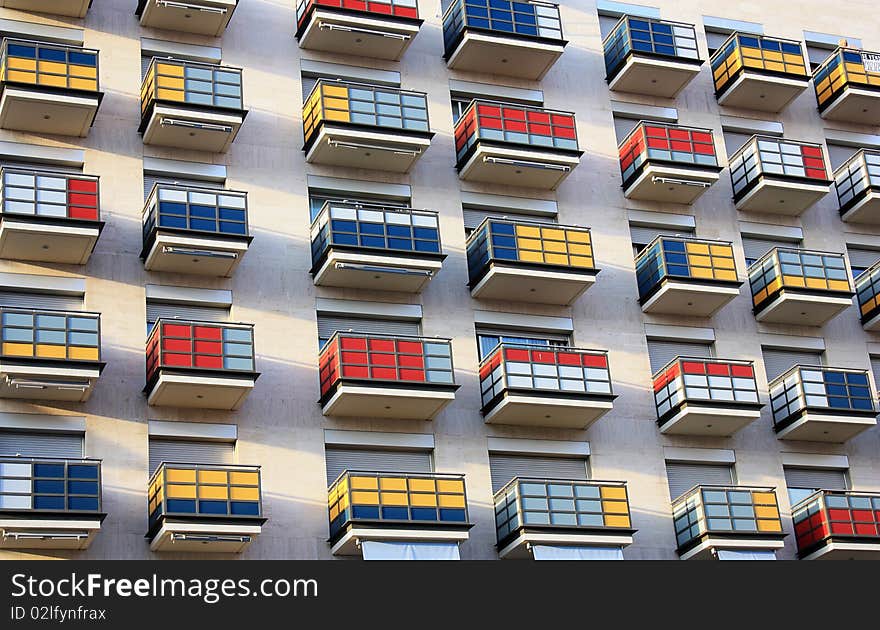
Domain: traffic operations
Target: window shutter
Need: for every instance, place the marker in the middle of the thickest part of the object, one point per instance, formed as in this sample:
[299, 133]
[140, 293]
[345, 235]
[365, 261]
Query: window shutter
[839, 154]
[607, 24]
[51, 301]
[642, 235]
[623, 127]
[778, 362]
[308, 84]
[155, 310]
[861, 258]
[684, 476]
[734, 141]
[503, 468]
[662, 352]
[339, 460]
[37, 166]
[329, 324]
[754, 248]
[815, 478]
[151, 179]
[714, 40]
[817, 54]
[473, 218]
[875, 369]
[190, 452]
[61, 445]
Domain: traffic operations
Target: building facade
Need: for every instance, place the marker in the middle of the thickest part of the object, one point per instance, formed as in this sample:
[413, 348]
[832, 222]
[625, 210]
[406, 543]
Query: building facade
[330, 279]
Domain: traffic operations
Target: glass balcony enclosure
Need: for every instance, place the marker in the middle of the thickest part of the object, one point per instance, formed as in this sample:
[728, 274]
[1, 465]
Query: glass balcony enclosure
[49, 195]
[50, 335]
[867, 286]
[847, 86]
[50, 486]
[858, 187]
[193, 84]
[838, 524]
[49, 65]
[190, 209]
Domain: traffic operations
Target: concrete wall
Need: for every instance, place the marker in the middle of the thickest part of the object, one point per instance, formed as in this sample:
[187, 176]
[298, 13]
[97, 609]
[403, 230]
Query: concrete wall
[280, 426]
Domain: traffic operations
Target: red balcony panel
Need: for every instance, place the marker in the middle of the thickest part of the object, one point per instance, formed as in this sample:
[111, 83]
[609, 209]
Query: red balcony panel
[177, 345]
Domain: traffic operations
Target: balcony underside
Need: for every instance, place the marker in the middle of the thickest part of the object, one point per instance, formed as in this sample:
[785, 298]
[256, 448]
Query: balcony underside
[690, 298]
[46, 112]
[670, 184]
[510, 166]
[781, 197]
[180, 389]
[866, 210]
[507, 56]
[531, 284]
[347, 34]
[348, 542]
[375, 150]
[703, 549]
[517, 548]
[179, 18]
[762, 93]
[378, 401]
[183, 127]
[839, 548]
[854, 105]
[711, 420]
[32, 531]
[547, 410]
[653, 77]
[815, 426]
[207, 536]
[71, 8]
[47, 241]
[376, 272]
[803, 309]
[67, 381]
[198, 255]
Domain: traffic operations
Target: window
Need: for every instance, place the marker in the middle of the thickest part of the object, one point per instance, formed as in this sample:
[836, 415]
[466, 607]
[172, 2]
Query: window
[839, 154]
[661, 352]
[190, 452]
[177, 310]
[60, 445]
[755, 248]
[329, 324]
[779, 361]
[338, 460]
[151, 179]
[802, 482]
[818, 54]
[875, 370]
[317, 199]
[503, 468]
[642, 235]
[682, 476]
[623, 126]
[459, 104]
[489, 340]
[734, 141]
[861, 259]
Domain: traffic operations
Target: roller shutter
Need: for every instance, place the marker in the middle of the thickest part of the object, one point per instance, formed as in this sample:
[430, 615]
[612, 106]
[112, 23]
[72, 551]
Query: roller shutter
[839, 153]
[503, 468]
[777, 362]
[802, 482]
[329, 324]
[662, 352]
[642, 235]
[623, 127]
[42, 300]
[61, 445]
[473, 217]
[861, 259]
[342, 459]
[754, 248]
[190, 452]
[734, 141]
[875, 368]
[683, 476]
[155, 310]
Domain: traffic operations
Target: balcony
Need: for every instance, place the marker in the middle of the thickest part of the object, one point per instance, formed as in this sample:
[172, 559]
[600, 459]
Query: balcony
[48, 503]
[686, 276]
[759, 73]
[778, 176]
[365, 126]
[557, 512]
[821, 404]
[651, 57]
[514, 39]
[192, 230]
[796, 286]
[203, 508]
[380, 376]
[396, 507]
[375, 247]
[70, 8]
[48, 217]
[515, 145]
[202, 17]
[377, 30]
[714, 397]
[48, 88]
[709, 519]
[858, 188]
[868, 297]
[190, 105]
[205, 365]
[668, 163]
[545, 387]
[49, 355]
[838, 525]
[530, 262]
[848, 87]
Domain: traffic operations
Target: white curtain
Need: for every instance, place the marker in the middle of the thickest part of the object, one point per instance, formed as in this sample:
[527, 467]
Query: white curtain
[745, 554]
[554, 552]
[374, 550]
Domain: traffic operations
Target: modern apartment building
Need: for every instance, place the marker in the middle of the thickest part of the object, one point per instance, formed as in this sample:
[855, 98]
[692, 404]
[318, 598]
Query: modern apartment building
[317, 279]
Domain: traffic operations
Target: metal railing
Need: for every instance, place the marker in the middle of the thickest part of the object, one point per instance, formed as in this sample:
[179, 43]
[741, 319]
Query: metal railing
[799, 269]
[705, 382]
[846, 67]
[396, 499]
[49, 484]
[857, 177]
[50, 335]
[538, 503]
[49, 65]
[194, 209]
[650, 37]
[191, 83]
[826, 515]
[661, 143]
[751, 52]
[687, 259]
[384, 360]
[49, 194]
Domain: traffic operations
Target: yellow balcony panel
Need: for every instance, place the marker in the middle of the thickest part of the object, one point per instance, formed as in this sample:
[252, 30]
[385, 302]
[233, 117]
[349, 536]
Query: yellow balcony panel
[539, 511]
[201, 17]
[363, 31]
[70, 8]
